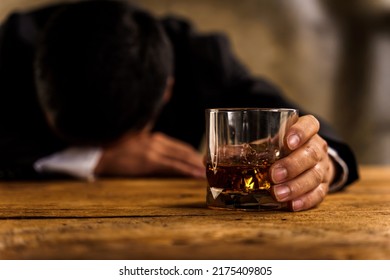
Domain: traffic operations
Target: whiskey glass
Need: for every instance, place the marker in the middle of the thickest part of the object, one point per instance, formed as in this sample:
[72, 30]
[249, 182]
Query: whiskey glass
[242, 144]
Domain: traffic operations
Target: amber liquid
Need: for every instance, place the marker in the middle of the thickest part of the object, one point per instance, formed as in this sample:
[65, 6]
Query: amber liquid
[241, 187]
[239, 178]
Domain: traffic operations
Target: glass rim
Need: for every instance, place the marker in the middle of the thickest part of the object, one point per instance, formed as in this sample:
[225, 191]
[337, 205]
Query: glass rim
[238, 109]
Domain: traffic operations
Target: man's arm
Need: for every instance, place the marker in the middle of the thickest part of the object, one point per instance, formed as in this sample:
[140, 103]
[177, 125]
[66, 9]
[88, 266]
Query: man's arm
[241, 89]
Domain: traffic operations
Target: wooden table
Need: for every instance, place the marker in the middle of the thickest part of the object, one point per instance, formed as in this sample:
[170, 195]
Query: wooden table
[167, 219]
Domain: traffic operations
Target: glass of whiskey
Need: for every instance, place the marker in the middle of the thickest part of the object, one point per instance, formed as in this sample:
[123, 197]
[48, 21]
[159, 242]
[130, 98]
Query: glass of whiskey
[242, 144]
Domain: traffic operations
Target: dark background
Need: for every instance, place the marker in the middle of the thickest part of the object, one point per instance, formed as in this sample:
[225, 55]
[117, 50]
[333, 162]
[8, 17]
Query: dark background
[333, 57]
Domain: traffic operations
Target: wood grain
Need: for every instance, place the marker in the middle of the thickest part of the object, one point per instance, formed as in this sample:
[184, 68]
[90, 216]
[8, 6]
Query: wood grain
[167, 219]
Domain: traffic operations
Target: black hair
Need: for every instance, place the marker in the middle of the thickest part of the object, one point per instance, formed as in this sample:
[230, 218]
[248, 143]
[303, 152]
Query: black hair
[101, 70]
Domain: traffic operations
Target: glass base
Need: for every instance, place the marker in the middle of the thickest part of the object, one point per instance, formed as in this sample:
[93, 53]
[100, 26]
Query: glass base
[260, 200]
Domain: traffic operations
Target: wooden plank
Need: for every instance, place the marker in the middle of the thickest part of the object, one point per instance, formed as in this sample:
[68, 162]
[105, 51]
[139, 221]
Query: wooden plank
[102, 198]
[316, 234]
[167, 219]
[137, 197]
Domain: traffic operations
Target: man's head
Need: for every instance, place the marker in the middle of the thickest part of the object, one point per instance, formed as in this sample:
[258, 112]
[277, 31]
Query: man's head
[101, 70]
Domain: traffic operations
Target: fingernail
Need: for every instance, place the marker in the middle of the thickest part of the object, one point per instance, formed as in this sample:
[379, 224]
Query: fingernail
[297, 205]
[279, 174]
[282, 192]
[293, 141]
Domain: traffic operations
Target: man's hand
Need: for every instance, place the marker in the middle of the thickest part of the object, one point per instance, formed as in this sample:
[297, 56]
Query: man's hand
[146, 153]
[303, 177]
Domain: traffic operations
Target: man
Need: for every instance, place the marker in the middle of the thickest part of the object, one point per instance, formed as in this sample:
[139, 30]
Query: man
[102, 88]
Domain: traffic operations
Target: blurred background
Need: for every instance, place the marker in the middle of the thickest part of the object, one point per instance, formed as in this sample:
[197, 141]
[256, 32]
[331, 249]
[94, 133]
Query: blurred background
[332, 57]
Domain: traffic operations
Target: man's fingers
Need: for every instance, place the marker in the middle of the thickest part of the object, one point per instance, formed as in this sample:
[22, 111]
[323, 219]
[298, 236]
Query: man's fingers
[310, 199]
[179, 156]
[299, 160]
[179, 150]
[300, 132]
[169, 166]
[307, 197]
[300, 185]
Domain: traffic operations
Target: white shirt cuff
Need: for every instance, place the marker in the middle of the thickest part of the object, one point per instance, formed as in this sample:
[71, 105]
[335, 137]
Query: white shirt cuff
[78, 162]
[343, 177]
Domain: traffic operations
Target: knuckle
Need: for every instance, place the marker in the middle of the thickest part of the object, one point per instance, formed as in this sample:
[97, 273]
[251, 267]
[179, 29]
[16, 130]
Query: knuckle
[320, 194]
[157, 136]
[315, 198]
[323, 144]
[317, 174]
[312, 152]
[323, 190]
[296, 188]
[314, 121]
[150, 155]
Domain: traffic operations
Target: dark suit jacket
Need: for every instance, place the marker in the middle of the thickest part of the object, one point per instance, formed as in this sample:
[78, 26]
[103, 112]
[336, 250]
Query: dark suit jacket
[207, 75]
